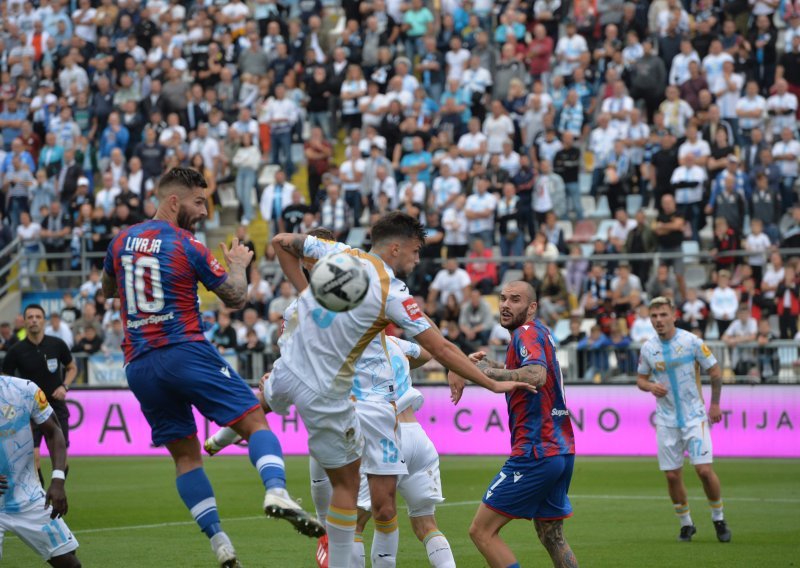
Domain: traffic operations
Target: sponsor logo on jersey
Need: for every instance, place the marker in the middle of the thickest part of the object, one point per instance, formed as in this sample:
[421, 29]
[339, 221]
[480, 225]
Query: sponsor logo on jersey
[225, 371]
[661, 366]
[150, 320]
[517, 476]
[412, 309]
[559, 412]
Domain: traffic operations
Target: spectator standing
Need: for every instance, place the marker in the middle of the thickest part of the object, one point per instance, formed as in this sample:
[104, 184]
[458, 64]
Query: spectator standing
[246, 160]
[480, 210]
[723, 302]
[787, 303]
[274, 199]
[482, 274]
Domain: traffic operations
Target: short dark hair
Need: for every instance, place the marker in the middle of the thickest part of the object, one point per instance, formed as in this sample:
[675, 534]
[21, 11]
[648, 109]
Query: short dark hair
[397, 225]
[33, 307]
[322, 233]
[182, 178]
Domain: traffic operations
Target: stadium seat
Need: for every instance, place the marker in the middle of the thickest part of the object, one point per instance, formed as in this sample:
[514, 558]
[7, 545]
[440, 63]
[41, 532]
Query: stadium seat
[712, 332]
[566, 228]
[587, 324]
[227, 196]
[587, 249]
[695, 275]
[267, 175]
[585, 183]
[602, 230]
[561, 330]
[690, 250]
[511, 275]
[633, 203]
[588, 205]
[356, 236]
[603, 211]
[584, 230]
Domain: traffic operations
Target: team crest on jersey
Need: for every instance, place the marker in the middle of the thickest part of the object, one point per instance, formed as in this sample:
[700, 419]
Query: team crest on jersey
[523, 351]
[706, 351]
[41, 399]
[52, 365]
[8, 412]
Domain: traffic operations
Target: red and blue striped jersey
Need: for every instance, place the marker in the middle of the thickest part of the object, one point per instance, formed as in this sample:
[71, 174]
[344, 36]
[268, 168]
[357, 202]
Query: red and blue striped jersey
[539, 422]
[157, 266]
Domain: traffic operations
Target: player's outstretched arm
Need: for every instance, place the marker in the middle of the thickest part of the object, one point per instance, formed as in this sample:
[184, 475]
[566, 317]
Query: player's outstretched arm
[109, 285]
[289, 250]
[452, 358]
[56, 495]
[714, 412]
[534, 375]
[233, 292]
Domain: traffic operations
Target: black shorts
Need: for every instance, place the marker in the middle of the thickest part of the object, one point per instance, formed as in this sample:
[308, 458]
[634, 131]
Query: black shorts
[62, 413]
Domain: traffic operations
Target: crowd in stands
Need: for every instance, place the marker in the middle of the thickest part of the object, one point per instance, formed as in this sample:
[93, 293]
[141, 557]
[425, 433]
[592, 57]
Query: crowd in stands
[508, 127]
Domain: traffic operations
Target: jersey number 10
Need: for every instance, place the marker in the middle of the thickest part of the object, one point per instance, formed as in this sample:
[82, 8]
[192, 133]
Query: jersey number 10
[135, 293]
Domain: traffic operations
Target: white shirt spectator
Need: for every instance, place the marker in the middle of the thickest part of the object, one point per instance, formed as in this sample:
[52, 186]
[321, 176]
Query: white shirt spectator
[728, 92]
[601, 143]
[620, 232]
[712, 64]
[689, 194]
[723, 303]
[261, 329]
[477, 203]
[444, 191]
[418, 191]
[458, 165]
[471, 142]
[749, 104]
[454, 223]
[456, 62]
[450, 284]
[782, 102]
[105, 199]
[615, 105]
[699, 149]
[63, 332]
[676, 114]
[476, 80]
[666, 17]
[372, 109]
[348, 173]
[499, 333]
[510, 163]
[757, 245]
[570, 48]
[208, 148]
[642, 330]
[387, 186]
[497, 131]
[772, 278]
[781, 148]
[679, 70]
[85, 27]
[547, 150]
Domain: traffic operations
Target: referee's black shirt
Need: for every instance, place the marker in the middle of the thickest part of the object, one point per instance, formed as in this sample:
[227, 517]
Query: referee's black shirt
[42, 364]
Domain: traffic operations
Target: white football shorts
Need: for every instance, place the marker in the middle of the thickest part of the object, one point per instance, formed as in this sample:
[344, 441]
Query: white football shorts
[383, 454]
[335, 438]
[422, 487]
[673, 443]
[48, 537]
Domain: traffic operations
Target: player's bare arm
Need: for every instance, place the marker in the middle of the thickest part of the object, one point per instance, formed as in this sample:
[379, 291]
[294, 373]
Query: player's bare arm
[481, 356]
[109, 286]
[416, 362]
[289, 250]
[714, 412]
[3, 484]
[233, 292]
[535, 375]
[70, 373]
[551, 534]
[56, 495]
[643, 382]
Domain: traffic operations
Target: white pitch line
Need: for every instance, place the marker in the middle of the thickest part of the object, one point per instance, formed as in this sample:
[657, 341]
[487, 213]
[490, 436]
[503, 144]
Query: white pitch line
[664, 498]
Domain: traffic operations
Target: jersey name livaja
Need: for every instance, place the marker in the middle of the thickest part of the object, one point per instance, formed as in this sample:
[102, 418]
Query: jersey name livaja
[20, 402]
[323, 346]
[676, 364]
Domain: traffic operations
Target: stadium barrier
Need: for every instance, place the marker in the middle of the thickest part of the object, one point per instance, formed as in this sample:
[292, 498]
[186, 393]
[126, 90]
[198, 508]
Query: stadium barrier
[614, 420]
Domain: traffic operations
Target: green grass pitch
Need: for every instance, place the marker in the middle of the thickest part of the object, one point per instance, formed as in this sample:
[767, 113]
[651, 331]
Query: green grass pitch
[127, 514]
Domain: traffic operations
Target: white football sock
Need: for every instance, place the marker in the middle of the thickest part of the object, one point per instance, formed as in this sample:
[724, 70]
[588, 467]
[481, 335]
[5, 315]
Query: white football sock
[341, 527]
[321, 490]
[225, 436]
[384, 544]
[438, 549]
[359, 559]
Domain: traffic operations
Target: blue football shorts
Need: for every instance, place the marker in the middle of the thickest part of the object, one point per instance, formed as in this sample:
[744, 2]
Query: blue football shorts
[169, 381]
[528, 488]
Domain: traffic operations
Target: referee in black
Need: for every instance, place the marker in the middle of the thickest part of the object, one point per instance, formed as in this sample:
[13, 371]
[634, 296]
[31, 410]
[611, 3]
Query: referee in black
[46, 361]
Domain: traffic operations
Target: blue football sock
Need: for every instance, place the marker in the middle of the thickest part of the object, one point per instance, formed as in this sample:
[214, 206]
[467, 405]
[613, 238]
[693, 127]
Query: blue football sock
[198, 496]
[266, 455]
[515, 565]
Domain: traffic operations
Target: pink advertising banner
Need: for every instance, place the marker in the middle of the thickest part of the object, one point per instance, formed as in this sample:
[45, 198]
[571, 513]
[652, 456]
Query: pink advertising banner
[758, 421]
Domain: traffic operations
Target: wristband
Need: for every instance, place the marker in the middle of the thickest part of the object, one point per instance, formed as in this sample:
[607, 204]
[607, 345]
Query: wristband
[58, 474]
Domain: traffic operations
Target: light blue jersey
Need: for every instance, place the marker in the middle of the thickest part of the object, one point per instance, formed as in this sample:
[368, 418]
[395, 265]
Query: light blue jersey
[20, 402]
[382, 372]
[676, 364]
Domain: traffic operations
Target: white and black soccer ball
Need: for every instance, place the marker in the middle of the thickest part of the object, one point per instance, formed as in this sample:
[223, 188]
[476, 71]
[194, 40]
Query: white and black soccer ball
[339, 282]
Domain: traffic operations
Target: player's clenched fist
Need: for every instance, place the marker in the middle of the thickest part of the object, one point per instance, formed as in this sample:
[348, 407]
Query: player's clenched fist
[658, 390]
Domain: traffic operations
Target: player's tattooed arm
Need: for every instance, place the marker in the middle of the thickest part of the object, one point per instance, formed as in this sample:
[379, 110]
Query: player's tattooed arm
[290, 243]
[233, 292]
[714, 412]
[534, 375]
[109, 286]
[551, 534]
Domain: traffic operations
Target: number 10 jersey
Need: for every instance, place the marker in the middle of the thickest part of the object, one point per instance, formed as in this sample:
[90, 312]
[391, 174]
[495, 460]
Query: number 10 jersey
[157, 266]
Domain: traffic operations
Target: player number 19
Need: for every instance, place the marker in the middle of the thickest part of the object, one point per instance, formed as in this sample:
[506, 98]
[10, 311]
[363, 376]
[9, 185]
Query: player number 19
[135, 294]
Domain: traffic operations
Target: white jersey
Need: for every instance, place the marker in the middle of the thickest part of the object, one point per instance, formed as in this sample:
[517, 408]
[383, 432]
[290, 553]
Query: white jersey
[676, 364]
[323, 347]
[20, 402]
[381, 367]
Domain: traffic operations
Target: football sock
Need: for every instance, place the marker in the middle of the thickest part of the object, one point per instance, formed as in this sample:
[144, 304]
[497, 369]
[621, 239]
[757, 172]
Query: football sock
[321, 490]
[515, 565]
[198, 496]
[716, 510]
[438, 549]
[266, 454]
[384, 543]
[682, 510]
[359, 559]
[341, 527]
[224, 437]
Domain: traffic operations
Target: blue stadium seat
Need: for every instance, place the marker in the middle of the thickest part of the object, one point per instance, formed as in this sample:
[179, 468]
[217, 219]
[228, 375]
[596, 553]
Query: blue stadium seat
[633, 203]
[690, 250]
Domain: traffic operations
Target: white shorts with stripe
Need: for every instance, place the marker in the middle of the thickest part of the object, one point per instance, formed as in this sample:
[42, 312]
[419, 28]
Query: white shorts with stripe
[673, 443]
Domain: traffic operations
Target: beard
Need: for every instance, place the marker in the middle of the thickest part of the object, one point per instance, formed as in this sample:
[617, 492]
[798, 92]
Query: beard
[185, 221]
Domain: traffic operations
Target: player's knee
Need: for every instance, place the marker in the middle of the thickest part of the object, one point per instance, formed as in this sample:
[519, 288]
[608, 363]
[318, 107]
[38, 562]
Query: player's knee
[704, 471]
[479, 534]
[385, 510]
[673, 476]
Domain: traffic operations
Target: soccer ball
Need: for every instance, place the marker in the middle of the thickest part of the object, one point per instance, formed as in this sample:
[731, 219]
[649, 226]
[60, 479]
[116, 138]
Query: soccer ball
[339, 282]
